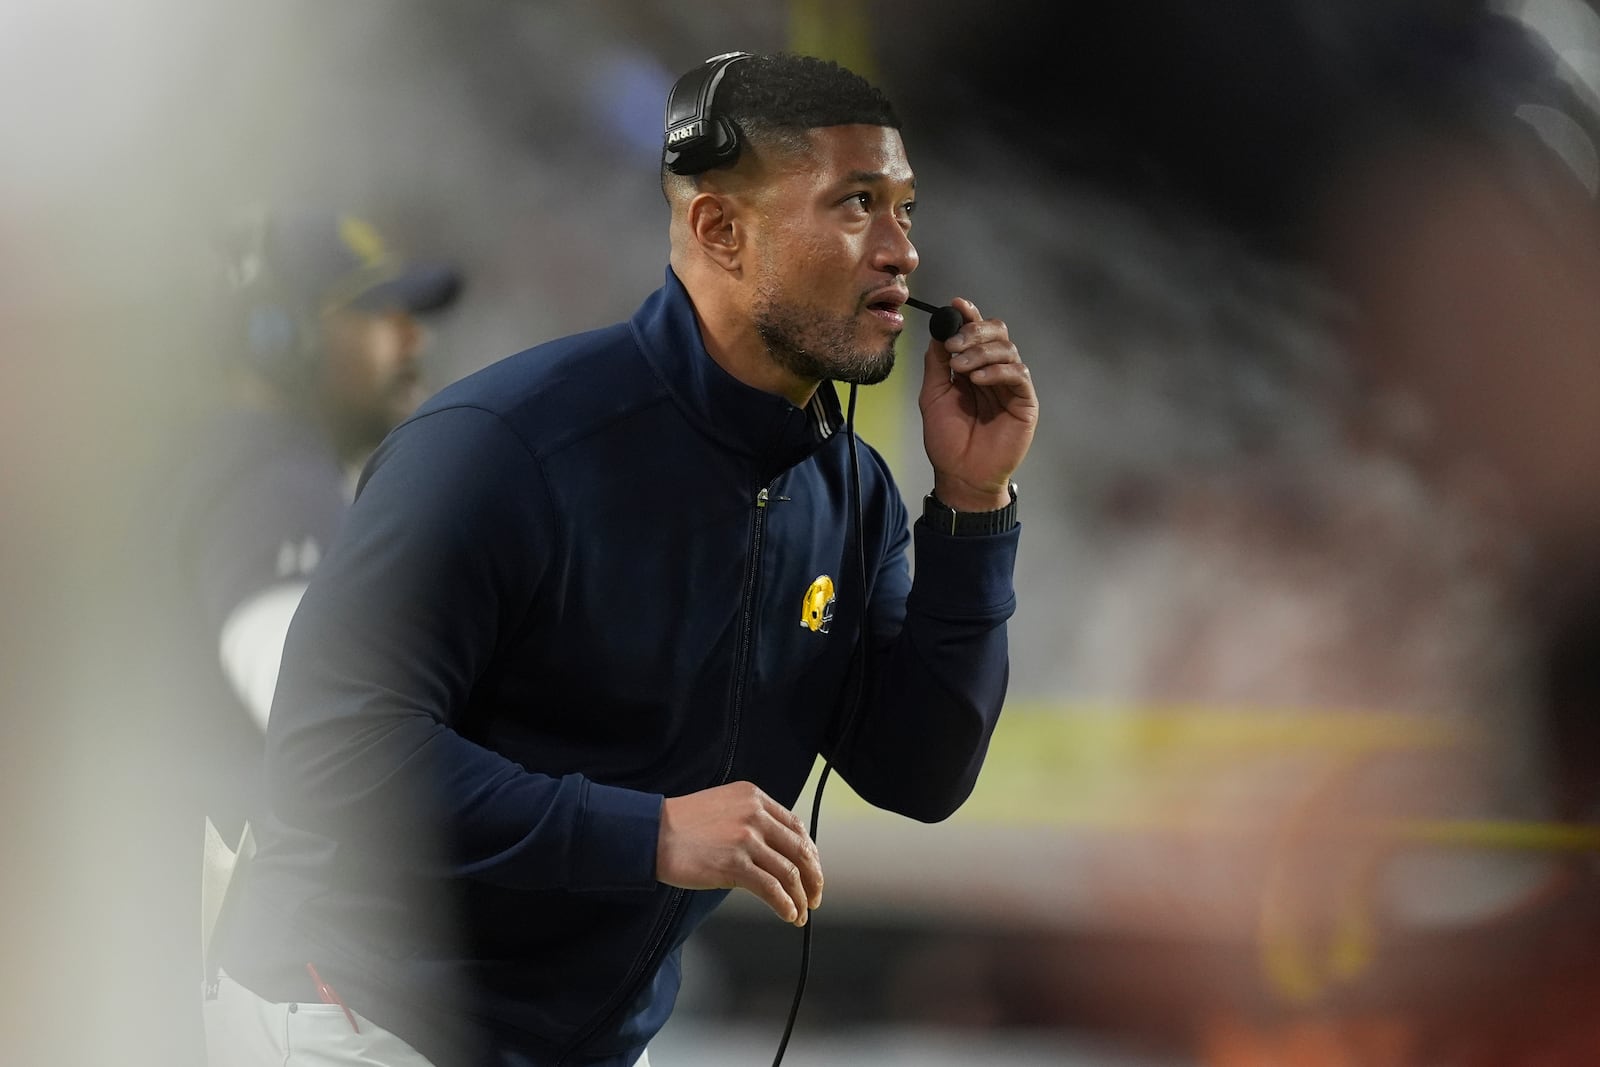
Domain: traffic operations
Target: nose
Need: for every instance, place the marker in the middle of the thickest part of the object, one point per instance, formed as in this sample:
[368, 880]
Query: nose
[894, 253]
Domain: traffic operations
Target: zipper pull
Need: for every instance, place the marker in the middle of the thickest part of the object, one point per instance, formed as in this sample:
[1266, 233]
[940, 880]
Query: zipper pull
[765, 497]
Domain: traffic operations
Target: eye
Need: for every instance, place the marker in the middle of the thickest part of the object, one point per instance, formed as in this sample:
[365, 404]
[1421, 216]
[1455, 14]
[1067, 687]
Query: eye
[863, 198]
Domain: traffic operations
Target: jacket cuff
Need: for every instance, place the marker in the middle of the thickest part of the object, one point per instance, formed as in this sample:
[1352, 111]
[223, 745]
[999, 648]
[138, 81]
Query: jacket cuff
[966, 575]
[617, 841]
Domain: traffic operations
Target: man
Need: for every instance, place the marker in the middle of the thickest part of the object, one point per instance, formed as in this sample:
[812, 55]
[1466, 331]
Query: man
[326, 362]
[598, 608]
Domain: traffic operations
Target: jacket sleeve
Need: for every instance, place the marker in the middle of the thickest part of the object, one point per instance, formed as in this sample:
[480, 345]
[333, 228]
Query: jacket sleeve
[440, 561]
[935, 668]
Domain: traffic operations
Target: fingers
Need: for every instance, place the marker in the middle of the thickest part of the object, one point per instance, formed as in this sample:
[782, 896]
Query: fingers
[736, 837]
[801, 850]
[979, 410]
[991, 357]
[938, 356]
[1006, 374]
[777, 880]
[783, 851]
[980, 343]
[982, 350]
[976, 330]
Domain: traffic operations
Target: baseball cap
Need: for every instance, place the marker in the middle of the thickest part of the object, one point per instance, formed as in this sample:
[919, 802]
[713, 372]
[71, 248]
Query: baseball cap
[334, 261]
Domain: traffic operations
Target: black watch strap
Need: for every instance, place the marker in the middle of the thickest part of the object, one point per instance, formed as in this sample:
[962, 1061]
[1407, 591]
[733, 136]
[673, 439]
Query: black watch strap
[947, 520]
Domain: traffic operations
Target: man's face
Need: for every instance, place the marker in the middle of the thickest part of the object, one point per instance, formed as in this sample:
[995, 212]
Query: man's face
[370, 375]
[832, 255]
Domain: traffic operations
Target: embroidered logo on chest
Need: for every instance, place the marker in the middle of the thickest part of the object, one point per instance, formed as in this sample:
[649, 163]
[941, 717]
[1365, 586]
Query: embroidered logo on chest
[816, 609]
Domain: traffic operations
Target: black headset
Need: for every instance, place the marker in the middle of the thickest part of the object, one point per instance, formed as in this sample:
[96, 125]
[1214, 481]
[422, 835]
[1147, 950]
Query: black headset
[280, 338]
[697, 139]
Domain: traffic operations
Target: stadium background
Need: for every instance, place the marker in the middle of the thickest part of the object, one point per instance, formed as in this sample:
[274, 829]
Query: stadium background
[1276, 774]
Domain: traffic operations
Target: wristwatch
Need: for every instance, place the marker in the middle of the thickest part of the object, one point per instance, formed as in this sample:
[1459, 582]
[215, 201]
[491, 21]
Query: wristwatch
[946, 519]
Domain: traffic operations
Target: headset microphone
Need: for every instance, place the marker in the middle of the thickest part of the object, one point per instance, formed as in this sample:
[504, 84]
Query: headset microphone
[945, 321]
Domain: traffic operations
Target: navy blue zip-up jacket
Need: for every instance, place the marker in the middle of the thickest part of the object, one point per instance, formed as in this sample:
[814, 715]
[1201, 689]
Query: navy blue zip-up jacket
[587, 577]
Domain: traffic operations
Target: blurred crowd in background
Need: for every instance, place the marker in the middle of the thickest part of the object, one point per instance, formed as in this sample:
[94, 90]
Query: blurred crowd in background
[1302, 753]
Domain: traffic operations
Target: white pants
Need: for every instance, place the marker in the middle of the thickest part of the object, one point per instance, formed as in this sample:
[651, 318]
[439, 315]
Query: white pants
[242, 1030]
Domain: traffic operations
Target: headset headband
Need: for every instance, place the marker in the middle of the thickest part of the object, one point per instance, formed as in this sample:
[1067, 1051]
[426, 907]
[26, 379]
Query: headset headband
[697, 140]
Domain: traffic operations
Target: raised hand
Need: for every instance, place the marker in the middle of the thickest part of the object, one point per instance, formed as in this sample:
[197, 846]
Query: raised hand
[979, 411]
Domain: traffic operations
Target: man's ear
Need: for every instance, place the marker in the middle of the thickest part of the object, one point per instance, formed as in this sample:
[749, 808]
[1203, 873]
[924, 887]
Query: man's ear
[717, 227]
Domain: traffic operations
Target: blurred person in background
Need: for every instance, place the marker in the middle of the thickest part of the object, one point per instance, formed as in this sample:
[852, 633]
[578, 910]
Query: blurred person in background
[598, 607]
[320, 354]
[325, 361]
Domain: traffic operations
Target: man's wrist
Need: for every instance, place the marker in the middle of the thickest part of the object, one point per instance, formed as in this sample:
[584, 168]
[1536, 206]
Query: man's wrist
[962, 523]
[963, 496]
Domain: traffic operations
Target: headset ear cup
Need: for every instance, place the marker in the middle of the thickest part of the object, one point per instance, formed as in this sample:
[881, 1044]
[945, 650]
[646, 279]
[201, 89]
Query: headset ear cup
[724, 146]
[696, 138]
[717, 146]
[278, 345]
[277, 342]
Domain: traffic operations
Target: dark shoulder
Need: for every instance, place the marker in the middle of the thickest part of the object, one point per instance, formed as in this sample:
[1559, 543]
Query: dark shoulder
[562, 389]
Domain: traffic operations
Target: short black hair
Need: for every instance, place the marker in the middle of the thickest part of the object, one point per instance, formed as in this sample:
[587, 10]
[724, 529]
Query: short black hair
[792, 92]
[774, 99]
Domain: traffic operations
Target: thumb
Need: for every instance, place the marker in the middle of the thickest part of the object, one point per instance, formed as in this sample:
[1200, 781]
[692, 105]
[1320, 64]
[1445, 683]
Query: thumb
[936, 377]
[935, 364]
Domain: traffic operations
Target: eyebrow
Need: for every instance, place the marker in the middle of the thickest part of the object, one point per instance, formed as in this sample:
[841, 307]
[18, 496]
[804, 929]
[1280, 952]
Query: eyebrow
[869, 177]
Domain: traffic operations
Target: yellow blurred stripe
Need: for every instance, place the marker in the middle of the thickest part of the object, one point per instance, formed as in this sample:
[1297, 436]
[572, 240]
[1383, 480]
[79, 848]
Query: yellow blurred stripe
[1029, 729]
[1499, 834]
[1102, 766]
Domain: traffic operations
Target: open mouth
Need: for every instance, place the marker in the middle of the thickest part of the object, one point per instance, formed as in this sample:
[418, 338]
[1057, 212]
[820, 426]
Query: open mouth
[888, 311]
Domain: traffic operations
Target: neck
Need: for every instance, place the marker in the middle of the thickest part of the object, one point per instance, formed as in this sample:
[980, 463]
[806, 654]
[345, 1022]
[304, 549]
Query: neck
[734, 344]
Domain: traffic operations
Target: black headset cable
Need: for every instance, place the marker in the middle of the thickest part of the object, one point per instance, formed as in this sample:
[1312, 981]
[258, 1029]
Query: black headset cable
[850, 715]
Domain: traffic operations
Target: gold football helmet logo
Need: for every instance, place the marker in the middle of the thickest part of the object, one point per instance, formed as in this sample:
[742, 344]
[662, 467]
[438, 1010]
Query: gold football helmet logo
[816, 609]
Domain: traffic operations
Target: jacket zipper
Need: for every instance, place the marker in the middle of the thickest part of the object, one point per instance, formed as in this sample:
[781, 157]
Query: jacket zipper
[746, 630]
[652, 958]
[642, 966]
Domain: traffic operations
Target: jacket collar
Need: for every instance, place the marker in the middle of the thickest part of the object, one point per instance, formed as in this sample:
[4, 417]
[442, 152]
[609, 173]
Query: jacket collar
[747, 420]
